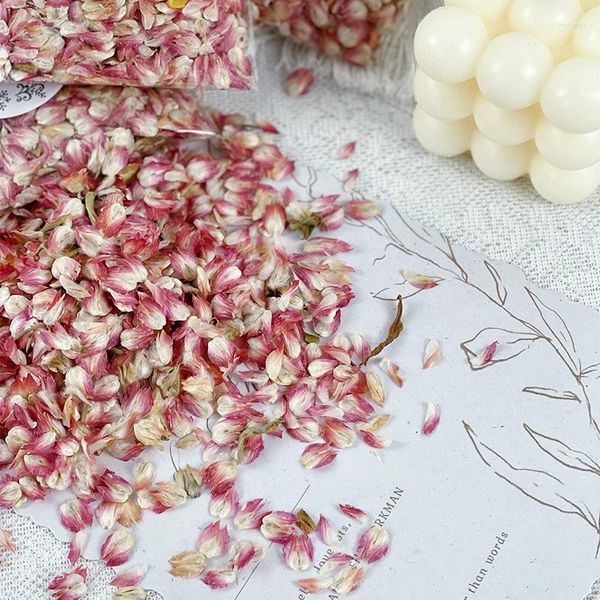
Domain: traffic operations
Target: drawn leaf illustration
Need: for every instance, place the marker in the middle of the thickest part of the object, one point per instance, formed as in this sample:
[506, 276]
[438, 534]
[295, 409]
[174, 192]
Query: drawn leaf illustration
[494, 345]
[501, 290]
[564, 454]
[557, 327]
[539, 486]
[552, 393]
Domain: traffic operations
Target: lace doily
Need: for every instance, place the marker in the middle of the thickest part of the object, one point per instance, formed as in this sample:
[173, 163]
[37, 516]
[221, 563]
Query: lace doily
[40, 557]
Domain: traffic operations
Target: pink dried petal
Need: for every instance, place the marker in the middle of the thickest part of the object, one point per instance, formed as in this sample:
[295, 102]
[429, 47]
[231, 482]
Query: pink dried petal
[433, 354]
[393, 370]
[218, 579]
[117, 547]
[76, 546]
[251, 515]
[278, 526]
[6, 541]
[350, 180]
[374, 440]
[69, 586]
[299, 82]
[75, 514]
[316, 456]
[313, 585]
[373, 544]
[487, 356]
[348, 580]
[421, 282]
[298, 552]
[244, 553]
[214, 540]
[354, 513]
[432, 418]
[335, 561]
[346, 151]
[362, 210]
[326, 532]
[130, 577]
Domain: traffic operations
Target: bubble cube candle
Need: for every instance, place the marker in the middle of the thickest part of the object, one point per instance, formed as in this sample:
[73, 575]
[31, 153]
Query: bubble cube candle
[516, 83]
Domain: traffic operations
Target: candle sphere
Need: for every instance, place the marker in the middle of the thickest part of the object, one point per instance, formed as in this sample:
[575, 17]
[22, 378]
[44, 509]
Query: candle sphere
[551, 21]
[512, 69]
[444, 138]
[508, 127]
[448, 43]
[570, 151]
[586, 39]
[498, 161]
[570, 97]
[523, 98]
[443, 100]
[562, 186]
[488, 10]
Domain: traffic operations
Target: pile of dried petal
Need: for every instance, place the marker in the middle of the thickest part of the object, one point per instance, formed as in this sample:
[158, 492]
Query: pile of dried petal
[176, 43]
[154, 292]
[346, 29]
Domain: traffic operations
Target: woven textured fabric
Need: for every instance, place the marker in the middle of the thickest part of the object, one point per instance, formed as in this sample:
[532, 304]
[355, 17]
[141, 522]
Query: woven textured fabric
[556, 246]
[40, 557]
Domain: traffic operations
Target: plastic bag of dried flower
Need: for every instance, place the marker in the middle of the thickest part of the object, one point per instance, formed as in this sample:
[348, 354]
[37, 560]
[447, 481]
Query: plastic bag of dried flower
[348, 29]
[148, 43]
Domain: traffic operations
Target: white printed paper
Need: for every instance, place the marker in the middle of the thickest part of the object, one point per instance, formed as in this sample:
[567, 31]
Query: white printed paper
[502, 502]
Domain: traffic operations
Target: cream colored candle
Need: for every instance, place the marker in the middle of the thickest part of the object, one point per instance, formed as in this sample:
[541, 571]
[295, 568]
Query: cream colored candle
[516, 83]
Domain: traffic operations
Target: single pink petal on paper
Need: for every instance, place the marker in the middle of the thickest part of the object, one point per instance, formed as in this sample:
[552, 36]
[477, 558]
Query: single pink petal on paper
[214, 540]
[346, 151]
[393, 371]
[335, 561]
[298, 552]
[487, 356]
[278, 526]
[219, 578]
[421, 282]
[348, 580]
[316, 456]
[326, 532]
[354, 513]
[130, 577]
[117, 547]
[313, 585]
[299, 82]
[373, 544]
[432, 418]
[433, 354]
[373, 440]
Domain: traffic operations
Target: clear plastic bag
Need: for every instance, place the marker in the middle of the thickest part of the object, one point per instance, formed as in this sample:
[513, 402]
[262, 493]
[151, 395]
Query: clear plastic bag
[145, 43]
[347, 29]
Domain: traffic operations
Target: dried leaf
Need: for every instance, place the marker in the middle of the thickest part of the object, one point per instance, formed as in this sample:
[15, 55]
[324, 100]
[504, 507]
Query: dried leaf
[90, 199]
[305, 522]
[393, 333]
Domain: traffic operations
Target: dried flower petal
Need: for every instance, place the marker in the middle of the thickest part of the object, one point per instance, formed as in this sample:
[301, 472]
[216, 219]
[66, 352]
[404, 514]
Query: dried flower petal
[433, 354]
[298, 552]
[316, 456]
[299, 82]
[313, 585]
[6, 541]
[354, 513]
[393, 370]
[432, 418]
[346, 151]
[117, 547]
[373, 544]
[421, 282]
[188, 564]
[326, 532]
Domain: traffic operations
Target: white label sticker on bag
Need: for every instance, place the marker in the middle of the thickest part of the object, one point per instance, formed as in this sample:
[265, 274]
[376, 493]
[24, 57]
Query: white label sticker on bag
[19, 98]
